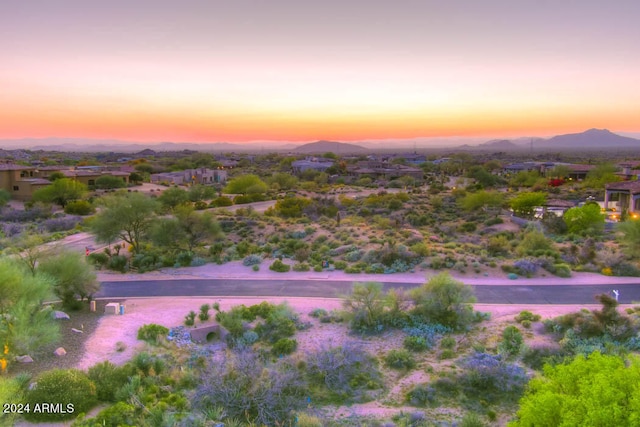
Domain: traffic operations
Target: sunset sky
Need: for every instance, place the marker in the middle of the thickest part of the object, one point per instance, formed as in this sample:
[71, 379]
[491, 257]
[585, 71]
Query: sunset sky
[296, 70]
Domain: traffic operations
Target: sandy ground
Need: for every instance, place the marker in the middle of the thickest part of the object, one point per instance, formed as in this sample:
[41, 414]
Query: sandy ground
[170, 312]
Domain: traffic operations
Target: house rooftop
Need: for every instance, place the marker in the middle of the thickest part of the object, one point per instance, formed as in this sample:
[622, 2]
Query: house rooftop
[632, 186]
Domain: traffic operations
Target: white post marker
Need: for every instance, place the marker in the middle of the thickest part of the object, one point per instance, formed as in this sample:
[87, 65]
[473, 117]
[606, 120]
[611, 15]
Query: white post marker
[616, 293]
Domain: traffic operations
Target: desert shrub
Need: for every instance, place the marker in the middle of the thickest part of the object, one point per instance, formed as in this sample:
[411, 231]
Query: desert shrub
[61, 223]
[184, 258]
[221, 202]
[468, 227]
[625, 269]
[429, 333]
[526, 267]
[339, 374]
[120, 414]
[471, 419]
[301, 266]
[190, 319]
[251, 391]
[98, 259]
[264, 310]
[448, 343]
[445, 301]
[490, 376]
[318, 313]
[527, 315]
[108, 379]
[252, 260]
[534, 242]
[422, 395]
[353, 256]
[306, 420]
[512, 341]
[399, 359]
[340, 265]
[493, 221]
[79, 207]
[151, 333]
[560, 270]
[284, 346]
[413, 343]
[537, 357]
[204, 312]
[65, 387]
[118, 263]
[281, 323]
[279, 266]
[35, 213]
[200, 205]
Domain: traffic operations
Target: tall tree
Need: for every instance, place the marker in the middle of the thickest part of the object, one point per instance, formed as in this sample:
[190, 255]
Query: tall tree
[246, 184]
[61, 191]
[444, 300]
[586, 220]
[525, 204]
[125, 216]
[187, 230]
[24, 325]
[73, 278]
[600, 390]
[173, 197]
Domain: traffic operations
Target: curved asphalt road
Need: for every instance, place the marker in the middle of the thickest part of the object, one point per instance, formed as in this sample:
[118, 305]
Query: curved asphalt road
[487, 294]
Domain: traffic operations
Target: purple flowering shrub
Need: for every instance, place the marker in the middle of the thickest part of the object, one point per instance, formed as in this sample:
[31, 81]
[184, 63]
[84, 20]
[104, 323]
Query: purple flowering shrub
[63, 223]
[491, 376]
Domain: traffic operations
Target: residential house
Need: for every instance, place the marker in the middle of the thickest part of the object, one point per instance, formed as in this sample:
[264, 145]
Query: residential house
[628, 194]
[311, 163]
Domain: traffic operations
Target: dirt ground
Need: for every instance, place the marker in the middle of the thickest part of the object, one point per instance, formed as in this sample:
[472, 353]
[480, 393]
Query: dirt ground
[170, 312]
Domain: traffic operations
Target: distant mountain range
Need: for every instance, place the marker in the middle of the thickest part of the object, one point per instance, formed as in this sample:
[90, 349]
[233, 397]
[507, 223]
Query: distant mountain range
[319, 147]
[590, 139]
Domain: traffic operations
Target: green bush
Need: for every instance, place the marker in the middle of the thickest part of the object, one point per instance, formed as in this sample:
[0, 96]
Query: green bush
[399, 359]
[79, 207]
[537, 357]
[284, 346]
[447, 354]
[204, 312]
[318, 313]
[65, 387]
[414, 343]
[108, 379]
[279, 266]
[448, 343]
[190, 319]
[527, 315]
[255, 268]
[340, 265]
[301, 266]
[561, 270]
[118, 263]
[512, 341]
[120, 414]
[98, 259]
[151, 332]
[221, 202]
[184, 259]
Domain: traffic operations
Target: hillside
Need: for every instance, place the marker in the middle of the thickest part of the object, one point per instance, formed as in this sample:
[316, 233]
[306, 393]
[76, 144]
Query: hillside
[326, 146]
[592, 138]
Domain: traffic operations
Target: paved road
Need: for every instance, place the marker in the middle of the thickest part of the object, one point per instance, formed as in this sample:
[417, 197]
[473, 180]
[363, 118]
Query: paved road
[488, 294]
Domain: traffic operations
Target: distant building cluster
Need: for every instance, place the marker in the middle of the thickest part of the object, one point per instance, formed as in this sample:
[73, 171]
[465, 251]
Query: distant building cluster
[22, 181]
[204, 176]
